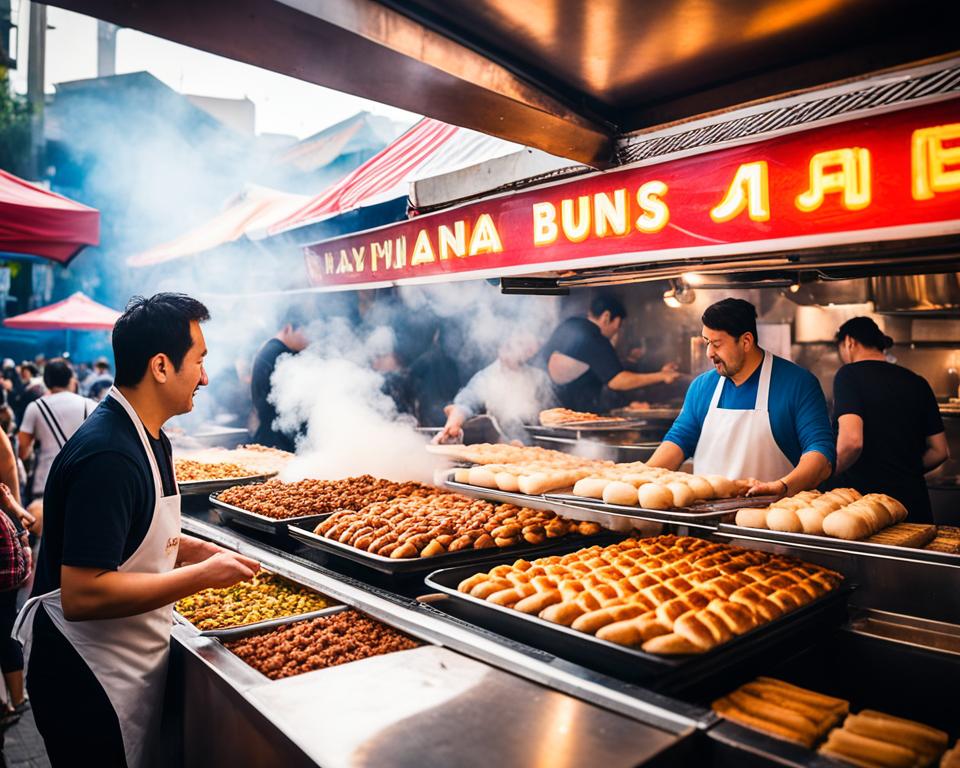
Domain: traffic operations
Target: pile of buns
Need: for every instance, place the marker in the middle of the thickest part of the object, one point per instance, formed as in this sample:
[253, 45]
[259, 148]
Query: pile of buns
[532, 478]
[782, 710]
[557, 417]
[654, 488]
[503, 453]
[447, 522]
[870, 739]
[842, 513]
[876, 740]
[666, 594]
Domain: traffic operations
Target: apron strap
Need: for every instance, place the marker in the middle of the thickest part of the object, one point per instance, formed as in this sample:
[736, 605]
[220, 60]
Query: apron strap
[763, 387]
[718, 390]
[142, 432]
[52, 422]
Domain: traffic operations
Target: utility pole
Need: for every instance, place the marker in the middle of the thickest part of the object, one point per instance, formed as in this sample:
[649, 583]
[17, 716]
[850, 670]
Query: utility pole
[36, 82]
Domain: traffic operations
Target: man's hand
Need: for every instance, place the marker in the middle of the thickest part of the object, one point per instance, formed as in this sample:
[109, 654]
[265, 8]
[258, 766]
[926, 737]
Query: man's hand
[776, 488]
[193, 550]
[10, 505]
[451, 433]
[225, 569]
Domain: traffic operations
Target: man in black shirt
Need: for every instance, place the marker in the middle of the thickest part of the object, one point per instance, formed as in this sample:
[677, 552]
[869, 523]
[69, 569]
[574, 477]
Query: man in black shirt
[580, 357]
[290, 340]
[889, 430]
[97, 628]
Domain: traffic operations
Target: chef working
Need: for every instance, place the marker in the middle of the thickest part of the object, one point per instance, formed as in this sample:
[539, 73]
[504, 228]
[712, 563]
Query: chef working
[97, 629]
[581, 359]
[755, 416]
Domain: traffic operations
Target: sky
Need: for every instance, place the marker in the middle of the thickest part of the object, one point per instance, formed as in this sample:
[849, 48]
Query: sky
[283, 104]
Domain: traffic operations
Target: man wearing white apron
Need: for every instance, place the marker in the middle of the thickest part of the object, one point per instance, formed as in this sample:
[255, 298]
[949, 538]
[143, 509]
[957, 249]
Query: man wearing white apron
[97, 629]
[754, 417]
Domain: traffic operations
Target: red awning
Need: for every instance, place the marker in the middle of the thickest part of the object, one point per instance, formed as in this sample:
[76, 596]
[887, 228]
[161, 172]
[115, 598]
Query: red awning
[377, 179]
[76, 313]
[41, 223]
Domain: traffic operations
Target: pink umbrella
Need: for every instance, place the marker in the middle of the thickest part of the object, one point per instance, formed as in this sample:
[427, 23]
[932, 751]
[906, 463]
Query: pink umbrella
[76, 313]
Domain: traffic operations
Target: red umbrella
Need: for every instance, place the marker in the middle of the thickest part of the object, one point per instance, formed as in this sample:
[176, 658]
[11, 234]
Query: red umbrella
[42, 223]
[76, 313]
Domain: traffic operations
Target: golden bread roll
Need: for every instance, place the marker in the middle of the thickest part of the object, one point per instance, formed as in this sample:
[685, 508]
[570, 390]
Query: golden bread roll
[481, 476]
[789, 503]
[590, 487]
[728, 710]
[827, 503]
[811, 518]
[880, 512]
[723, 487]
[769, 710]
[538, 483]
[755, 517]
[863, 750]
[653, 496]
[670, 644]
[620, 493]
[897, 511]
[507, 481]
[951, 758]
[700, 486]
[845, 525]
[461, 475]
[830, 703]
[786, 520]
[683, 495]
[920, 738]
[823, 719]
[847, 495]
[633, 631]
[592, 621]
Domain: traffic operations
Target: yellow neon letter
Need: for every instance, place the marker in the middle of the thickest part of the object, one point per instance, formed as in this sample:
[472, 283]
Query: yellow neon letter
[399, 252]
[576, 228]
[453, 242]
[931, 160]
[545, 228]
[359, 256]
[344, 265]
[610, 215]
[749, 189]
[656, 214]
[852, 179]
[485, 238]
[328, 262]
[422, 250]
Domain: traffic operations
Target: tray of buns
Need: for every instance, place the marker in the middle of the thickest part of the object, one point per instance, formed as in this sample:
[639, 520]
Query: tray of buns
[417, 535]
[660, 611]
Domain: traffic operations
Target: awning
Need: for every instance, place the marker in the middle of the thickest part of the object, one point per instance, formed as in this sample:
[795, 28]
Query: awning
[254, 210]
[429, 147]
[77, 313]
[41, 223]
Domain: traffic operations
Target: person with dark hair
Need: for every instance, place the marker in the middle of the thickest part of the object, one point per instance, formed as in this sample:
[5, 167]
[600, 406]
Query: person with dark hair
[889, 429]
[289, 340]
[97, 628]
[99, 381]
[50, 421]
[754, 417]
[581, 359]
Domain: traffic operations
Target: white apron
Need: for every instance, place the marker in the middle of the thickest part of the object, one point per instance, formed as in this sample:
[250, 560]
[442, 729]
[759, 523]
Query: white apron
[128, 656]
[740, 444]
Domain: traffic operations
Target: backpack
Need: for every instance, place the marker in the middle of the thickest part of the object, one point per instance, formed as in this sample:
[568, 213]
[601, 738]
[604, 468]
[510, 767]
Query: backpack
[14, 555]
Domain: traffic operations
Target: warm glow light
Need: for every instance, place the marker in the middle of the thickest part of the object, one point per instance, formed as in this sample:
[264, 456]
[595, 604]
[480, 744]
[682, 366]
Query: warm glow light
[693, 278]
[670, 299]
[795, 288]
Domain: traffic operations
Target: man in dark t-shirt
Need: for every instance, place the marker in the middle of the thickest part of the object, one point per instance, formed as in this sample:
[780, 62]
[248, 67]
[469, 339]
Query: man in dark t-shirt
[290, 340]
[581, 360]
[889, 430]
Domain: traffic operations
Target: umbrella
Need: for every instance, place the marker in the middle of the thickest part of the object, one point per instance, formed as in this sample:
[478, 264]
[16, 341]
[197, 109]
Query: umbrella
[41, 223]
[75, 313]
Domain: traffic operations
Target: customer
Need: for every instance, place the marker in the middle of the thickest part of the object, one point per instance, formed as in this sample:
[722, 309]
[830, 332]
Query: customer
[51, 420]
[581, 360]
[289, 340]
[97, 630]
[889, 430]
[98, 383]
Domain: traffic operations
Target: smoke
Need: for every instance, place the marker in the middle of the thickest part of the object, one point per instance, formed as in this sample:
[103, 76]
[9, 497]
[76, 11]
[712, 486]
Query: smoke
[352, 427]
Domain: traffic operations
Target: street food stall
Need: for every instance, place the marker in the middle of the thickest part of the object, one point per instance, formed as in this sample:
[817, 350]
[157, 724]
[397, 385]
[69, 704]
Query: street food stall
[869, 195]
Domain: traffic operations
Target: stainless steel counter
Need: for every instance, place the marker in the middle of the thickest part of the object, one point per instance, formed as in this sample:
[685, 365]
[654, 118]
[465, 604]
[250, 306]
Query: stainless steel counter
[425, 707]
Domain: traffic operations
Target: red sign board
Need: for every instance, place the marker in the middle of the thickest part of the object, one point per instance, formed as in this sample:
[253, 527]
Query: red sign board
[887, 176]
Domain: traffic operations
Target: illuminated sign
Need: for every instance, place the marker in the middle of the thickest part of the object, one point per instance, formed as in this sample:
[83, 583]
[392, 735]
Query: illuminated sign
[883, 177]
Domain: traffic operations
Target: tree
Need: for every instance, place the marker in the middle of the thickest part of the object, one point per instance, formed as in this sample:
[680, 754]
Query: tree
[14, 128]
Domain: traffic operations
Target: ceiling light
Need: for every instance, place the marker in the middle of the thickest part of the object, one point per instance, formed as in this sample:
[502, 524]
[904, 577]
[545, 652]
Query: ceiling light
[670, 299]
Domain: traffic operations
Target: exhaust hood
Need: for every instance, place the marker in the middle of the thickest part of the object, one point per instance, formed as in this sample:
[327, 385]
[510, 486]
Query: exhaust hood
[937, 294]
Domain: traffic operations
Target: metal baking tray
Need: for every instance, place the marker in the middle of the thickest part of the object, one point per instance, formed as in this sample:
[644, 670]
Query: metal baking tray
[230, 513]
[733, 531]
[630, 663]
[303, 531]
[200, 487]
[234, 633]
[705, 512]
[601, 425]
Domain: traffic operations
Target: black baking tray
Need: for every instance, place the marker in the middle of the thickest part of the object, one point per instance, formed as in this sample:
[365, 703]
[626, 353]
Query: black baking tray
[666, 673]
[303, 532]
[262, 523]
[812, 541]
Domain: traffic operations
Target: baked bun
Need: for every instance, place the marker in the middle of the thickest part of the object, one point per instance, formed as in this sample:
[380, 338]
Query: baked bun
[755, 517]
[683, 495]
[811, 518]
[785, 520]
[700, 486]
[846, 525]
[617, 492]
[723, 487]
[653, 496]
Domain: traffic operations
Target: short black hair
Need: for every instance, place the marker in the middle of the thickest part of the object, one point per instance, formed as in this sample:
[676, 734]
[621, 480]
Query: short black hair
[866, 331]
[148, 327]
[26, 365]
[57, 373]
[607, 302]
[735, 316]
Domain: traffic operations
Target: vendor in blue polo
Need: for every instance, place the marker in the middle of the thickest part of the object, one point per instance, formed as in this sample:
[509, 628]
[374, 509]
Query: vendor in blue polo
[754, 417]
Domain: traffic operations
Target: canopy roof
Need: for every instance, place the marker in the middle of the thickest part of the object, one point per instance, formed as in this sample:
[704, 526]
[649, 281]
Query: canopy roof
[41, 223]
[76, 313]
